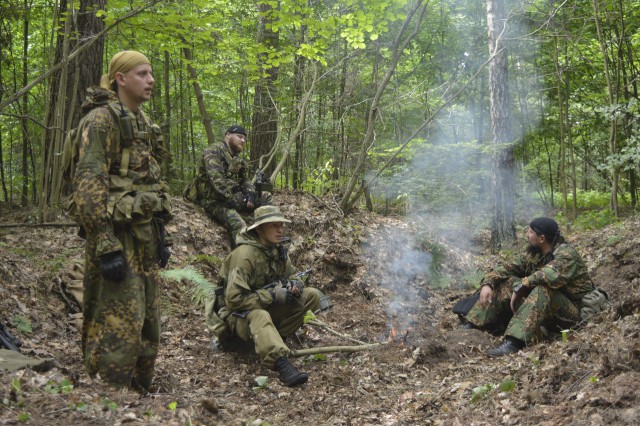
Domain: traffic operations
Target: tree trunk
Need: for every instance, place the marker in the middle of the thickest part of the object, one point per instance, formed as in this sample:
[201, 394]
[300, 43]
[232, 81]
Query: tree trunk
[67, 90]
[265, 115]
[24, 195]
[168, 160]
[206, 121]
[297, 175]
[503, 223]
[612, 98]
[562, 172]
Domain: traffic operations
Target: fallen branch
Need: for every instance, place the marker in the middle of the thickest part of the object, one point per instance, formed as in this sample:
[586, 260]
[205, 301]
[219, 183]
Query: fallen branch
[39, 225]
[332, 331]
[331, 349]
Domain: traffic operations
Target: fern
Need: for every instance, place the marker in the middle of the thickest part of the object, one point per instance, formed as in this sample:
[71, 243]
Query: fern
[202, 288]
[22, 324]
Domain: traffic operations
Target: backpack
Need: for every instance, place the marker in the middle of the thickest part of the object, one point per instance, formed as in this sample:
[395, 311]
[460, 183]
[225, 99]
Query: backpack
[96, 97]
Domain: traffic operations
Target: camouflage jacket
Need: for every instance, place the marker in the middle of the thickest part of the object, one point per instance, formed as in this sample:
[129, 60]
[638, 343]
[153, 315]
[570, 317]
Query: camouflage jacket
[246, 270]
[223, 174]
[562, 270]
[99, 160]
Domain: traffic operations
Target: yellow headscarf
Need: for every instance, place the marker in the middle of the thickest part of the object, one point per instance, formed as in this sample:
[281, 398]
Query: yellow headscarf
[122, 62]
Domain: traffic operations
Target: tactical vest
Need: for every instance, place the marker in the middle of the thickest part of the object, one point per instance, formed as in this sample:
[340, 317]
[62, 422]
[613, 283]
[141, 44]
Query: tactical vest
[129, 201]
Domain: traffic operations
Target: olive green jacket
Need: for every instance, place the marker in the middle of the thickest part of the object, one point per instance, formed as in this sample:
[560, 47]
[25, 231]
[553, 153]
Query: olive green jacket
[247, 270]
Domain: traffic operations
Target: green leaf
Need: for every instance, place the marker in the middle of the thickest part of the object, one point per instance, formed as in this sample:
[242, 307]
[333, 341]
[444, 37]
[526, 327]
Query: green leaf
[261, 382]
[172, 406]
[308, 317]
[23, 417]
[22, 323]
[480, 392]
[81, 406]
[110, 405]
[507, 385]
[15, 384]
[66, 386]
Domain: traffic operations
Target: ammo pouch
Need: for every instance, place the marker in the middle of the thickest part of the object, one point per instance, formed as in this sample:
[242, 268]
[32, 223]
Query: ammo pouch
[463, 306]
[137, 205]
[593, 303]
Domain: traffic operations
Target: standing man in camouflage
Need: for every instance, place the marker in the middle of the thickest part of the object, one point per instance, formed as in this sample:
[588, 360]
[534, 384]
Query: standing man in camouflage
[544, 288]
[260, 299]
[223, 187]
[122, 206]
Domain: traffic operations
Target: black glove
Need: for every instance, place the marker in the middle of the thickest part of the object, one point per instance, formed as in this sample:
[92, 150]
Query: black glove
[282, 295]
[296, 287]
[113, 266]
[237, 202]
[165, 254]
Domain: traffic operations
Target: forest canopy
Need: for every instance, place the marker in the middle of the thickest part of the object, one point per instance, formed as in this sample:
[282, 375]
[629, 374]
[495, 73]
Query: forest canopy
[383, 103]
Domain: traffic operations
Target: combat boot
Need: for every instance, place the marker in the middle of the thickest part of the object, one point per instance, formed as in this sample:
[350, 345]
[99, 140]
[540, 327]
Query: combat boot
[510, 345]
[289, 375]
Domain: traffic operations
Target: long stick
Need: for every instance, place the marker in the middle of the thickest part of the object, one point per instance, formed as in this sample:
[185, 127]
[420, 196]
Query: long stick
[330, 349]
[331, 330]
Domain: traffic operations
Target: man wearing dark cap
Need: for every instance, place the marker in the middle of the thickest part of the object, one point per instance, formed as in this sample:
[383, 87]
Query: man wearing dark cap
[223, 187]
[542, 289]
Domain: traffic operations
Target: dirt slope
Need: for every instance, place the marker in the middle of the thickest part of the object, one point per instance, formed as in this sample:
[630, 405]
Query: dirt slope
[426, 371]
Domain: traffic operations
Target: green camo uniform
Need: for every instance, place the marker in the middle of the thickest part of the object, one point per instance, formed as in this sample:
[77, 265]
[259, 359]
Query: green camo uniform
[556, 284]
[121, 330]
[250, 311]
[223, 176]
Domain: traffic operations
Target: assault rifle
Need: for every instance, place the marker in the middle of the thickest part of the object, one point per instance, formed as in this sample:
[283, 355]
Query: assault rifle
[8, 341]
[300, 274]
[259, 184]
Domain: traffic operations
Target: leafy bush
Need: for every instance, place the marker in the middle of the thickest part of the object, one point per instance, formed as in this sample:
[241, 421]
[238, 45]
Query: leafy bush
[595, 219]
[587, 200]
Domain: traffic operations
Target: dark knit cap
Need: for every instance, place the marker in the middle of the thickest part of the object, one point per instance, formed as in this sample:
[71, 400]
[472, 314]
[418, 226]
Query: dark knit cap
[237, 129]
[547, 227]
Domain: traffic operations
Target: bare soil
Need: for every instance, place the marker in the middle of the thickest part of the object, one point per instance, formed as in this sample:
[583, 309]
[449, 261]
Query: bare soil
[426, 370]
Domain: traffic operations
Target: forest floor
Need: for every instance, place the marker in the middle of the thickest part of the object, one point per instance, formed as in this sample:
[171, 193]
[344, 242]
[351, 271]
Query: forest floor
[426, 370]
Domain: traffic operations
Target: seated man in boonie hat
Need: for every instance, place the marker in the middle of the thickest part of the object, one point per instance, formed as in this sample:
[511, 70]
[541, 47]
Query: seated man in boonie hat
[261, 300]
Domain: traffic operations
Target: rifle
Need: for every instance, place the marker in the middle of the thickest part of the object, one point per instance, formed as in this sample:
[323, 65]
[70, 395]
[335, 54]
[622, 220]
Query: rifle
[164, 252]
[7, 340]
[259, 184]
[300, 274]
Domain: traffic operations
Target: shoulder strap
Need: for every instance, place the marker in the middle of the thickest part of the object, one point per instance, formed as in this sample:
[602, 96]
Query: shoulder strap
[126, 135]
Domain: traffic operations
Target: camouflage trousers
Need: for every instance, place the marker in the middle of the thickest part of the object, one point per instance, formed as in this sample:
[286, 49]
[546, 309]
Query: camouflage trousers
[121, 329]
[268, 327]
[543, 307]
[231, 219]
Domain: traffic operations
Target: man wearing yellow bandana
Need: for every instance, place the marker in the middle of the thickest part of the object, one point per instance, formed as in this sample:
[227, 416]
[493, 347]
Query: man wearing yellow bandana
[122, 205]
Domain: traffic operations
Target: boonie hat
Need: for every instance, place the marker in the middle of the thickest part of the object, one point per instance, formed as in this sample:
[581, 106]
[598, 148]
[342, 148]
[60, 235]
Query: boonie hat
[237, 129]
[266, 214]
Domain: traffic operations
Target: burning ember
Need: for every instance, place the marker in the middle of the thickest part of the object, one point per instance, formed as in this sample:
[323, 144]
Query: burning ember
[401, 337]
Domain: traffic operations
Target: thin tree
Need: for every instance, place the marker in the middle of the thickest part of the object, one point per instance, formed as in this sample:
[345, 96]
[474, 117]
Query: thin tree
[265, 116]
[503, 161]
[399, 44]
